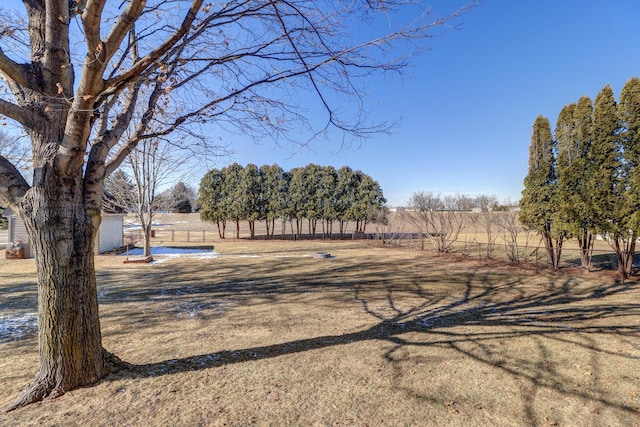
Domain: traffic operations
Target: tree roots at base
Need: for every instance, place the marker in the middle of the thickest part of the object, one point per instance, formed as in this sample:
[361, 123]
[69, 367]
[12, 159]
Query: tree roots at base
[43, 388]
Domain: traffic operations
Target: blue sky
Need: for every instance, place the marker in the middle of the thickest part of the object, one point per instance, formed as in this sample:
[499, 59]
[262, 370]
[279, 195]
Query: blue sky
[466, 107]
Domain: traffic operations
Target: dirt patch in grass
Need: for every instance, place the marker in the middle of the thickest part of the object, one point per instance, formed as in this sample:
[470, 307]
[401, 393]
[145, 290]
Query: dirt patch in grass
[267, 334]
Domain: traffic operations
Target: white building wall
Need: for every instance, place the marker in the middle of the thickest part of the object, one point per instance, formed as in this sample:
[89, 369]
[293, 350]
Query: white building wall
[110, 233]
[18, 233]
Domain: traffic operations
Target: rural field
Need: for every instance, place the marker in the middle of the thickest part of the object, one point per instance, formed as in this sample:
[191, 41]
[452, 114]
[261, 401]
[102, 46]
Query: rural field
[263, 333]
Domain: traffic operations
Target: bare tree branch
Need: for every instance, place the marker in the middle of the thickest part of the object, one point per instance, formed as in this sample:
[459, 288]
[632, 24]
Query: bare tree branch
[14, 71]
[15, 112]
[13, 186]
[138, 68]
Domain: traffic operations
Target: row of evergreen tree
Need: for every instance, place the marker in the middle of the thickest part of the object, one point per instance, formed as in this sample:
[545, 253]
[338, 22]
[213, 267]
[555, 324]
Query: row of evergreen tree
[584, 178]
[269, 193]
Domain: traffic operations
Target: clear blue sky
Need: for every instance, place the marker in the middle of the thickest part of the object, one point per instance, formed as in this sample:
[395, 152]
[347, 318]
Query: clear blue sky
[467, 105]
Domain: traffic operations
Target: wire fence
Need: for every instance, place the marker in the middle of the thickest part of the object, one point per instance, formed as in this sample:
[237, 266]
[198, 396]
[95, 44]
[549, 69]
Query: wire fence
[601, 257]
[177, 236]
[162, 236]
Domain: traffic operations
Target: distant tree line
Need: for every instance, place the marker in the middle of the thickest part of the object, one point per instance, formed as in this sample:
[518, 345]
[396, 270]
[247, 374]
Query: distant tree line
[312, 194]
[584, 178]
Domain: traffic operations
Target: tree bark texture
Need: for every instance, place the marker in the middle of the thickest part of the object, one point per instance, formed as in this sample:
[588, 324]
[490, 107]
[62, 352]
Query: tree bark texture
[69, 337]
[625, 252]
[585, 240]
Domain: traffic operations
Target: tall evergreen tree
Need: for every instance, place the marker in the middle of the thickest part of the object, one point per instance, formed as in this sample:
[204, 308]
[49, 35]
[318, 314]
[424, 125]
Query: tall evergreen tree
[367, 201]
[312, 182]
[274, 193]
[180, 198]
[211, 198]
[250, 197]
[345, 196]
[537, 209]
[327, 192]
[605, 186]
[297, 198]
[573, 145]
[629, 114]
[119, 192]
[233, 194]
[627, 191]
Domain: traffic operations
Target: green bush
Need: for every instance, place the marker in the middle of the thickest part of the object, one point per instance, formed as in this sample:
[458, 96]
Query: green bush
[181, 206]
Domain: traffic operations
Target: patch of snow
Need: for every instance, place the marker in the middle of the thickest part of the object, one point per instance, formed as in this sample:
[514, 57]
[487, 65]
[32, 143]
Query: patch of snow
[293, 256]
[209, 255]
[16, 327]
[165, 250]
[187, 302]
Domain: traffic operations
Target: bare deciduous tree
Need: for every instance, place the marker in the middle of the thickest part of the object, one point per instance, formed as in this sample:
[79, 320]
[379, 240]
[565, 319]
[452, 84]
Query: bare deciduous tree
[488, 220]
[516, 237]
[149, 165]
[439, 218]
[93, 71]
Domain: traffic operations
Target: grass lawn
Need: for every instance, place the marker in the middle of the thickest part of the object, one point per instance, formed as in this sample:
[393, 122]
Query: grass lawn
[267, 334]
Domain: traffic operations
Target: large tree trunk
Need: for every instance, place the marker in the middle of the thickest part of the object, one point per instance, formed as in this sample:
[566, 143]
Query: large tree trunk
[298, 228]
[625, 251]
[621, 259]
[343, 227]
[220, 233]
[146, 238]
[585, 240]
[630, 255]
[553, 249]
[69, 338]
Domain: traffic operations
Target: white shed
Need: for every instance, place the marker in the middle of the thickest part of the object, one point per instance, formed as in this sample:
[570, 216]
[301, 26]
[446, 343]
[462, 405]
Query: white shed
[109, 237]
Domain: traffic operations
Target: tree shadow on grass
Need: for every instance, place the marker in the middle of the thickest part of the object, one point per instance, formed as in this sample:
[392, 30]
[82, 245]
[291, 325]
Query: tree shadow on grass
[499, 307]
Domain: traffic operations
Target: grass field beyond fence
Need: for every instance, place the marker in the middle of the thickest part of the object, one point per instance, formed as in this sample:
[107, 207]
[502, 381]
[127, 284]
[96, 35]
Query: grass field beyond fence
[472, 241]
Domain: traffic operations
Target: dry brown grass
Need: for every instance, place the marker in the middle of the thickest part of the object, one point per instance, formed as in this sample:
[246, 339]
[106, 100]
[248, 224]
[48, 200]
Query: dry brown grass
[268, 335]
